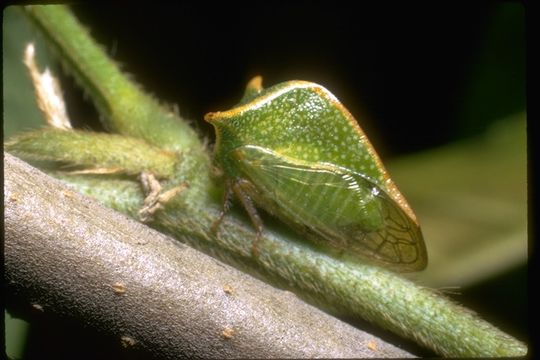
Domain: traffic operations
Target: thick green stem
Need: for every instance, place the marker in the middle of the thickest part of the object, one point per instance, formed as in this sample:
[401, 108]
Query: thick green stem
[283, 258]
[102, 151]
[363, 291]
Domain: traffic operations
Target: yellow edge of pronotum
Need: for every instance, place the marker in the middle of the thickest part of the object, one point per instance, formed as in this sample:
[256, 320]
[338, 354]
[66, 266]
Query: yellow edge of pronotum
[256, 82]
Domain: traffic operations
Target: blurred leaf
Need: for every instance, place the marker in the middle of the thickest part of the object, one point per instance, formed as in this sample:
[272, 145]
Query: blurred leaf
[20, 107]
[16, 331]
[471, 199]
[471, 196]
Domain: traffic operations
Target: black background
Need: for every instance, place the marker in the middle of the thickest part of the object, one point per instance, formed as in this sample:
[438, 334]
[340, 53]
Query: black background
[404, 71]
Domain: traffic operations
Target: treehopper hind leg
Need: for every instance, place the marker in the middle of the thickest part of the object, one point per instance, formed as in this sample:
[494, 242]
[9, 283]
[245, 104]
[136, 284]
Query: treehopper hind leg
[235, 188]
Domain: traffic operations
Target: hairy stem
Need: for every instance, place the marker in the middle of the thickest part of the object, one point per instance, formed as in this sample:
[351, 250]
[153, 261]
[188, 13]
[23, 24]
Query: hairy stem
[110, 151]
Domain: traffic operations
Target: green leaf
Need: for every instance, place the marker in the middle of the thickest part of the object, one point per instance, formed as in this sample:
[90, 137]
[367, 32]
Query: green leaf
[471, 201]
[20, 106]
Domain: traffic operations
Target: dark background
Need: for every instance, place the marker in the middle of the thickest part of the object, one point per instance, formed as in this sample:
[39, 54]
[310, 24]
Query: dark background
[416, 76]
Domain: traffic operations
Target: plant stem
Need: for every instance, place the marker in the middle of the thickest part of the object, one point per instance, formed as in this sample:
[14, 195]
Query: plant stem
[108, 151]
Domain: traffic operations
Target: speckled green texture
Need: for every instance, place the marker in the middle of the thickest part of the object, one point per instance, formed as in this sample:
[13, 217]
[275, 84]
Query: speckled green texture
[299, 154]
[301, 120]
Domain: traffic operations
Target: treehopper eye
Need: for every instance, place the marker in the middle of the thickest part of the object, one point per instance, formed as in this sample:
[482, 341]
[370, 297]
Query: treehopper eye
[296, 152]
